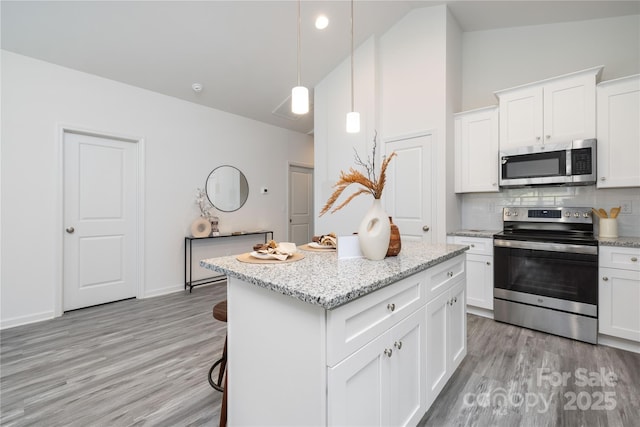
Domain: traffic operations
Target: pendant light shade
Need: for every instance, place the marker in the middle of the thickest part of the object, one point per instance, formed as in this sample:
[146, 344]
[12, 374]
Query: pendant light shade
[300, 100]
[353, 122]
[353, 118]
[299, 94]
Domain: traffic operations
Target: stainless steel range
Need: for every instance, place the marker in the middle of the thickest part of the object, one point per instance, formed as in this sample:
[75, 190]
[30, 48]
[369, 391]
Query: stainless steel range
[546, 271]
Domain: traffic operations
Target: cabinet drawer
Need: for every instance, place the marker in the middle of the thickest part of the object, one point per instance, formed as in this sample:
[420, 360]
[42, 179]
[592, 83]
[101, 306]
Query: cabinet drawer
[477, 245]
[617, 257]
[443, 276]
[353, 325]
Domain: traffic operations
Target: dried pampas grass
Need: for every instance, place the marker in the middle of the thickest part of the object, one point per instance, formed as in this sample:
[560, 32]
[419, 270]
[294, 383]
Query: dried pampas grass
[371, 184]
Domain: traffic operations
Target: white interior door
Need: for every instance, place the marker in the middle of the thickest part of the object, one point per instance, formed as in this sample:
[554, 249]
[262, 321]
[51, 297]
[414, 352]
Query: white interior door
[100, 214]
[300, 204]
[409, 187]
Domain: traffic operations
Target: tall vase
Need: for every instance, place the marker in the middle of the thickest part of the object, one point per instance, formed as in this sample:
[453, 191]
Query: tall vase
[374, 232]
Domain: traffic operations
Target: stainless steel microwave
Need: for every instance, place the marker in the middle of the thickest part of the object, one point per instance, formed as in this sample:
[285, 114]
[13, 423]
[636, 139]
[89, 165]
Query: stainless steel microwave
[571, 163]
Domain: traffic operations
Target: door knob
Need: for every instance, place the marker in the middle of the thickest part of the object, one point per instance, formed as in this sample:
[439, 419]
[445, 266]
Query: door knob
[425, 228]
[70, 230]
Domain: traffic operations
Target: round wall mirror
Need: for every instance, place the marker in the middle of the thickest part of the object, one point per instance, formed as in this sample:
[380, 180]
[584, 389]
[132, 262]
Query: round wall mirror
[227, 188]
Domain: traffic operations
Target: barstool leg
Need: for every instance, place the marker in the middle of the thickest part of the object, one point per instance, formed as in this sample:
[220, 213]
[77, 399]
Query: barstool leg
[223, 363]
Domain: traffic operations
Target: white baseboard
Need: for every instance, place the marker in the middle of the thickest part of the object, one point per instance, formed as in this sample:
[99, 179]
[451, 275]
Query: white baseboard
[480, 311]
[620, 343]
[25, 320]
[163, 291]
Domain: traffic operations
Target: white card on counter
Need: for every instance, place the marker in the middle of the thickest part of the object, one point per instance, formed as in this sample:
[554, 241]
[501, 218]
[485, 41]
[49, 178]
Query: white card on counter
[349, 247]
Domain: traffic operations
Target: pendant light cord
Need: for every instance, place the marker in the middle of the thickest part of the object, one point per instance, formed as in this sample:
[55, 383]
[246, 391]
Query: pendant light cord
[299, 42]
[352, 103]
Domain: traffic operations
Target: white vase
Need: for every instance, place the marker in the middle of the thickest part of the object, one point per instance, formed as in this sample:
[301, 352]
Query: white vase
[374, 232]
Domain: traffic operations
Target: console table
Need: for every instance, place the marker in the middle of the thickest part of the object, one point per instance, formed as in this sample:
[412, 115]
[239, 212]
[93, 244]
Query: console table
[188, 250]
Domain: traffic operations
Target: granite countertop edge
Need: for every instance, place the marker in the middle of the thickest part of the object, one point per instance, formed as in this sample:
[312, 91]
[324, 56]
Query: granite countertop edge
[622, 242]
[474, 233]
[342, 298]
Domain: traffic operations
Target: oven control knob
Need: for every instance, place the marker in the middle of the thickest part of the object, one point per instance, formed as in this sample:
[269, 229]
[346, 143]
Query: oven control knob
[585, 214]
[567, 213]
[515, 213]
[577, 214]
[507, 213]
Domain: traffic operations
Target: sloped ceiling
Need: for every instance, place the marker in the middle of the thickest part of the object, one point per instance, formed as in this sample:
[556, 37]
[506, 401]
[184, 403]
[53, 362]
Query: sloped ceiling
[242, 52]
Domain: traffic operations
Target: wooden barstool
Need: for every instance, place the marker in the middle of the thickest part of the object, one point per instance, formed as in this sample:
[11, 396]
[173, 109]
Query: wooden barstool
[220, 313]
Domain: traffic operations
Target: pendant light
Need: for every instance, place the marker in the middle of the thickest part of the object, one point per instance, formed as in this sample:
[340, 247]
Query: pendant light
[353, 117]
[299, 94]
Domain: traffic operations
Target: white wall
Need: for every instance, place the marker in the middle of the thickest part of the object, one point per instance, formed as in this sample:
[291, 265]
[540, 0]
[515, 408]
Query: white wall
[411, 77]
[183, 143]
[420, 88]
[499, 59]
[334, 147]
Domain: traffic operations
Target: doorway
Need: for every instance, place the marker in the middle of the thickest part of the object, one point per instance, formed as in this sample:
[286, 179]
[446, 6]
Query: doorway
[101, 219]
[301, 223]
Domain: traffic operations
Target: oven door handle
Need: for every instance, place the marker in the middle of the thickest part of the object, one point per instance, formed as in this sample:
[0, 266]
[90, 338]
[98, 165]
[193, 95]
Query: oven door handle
[547, 246]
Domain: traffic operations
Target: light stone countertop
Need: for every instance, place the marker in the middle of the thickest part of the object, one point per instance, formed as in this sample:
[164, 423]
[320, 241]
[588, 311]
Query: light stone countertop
[625, 242]
[321, 279]
[474, 233]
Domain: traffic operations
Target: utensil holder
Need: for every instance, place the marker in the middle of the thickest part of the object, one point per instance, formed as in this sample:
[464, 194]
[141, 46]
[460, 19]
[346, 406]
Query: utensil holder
[608, 227]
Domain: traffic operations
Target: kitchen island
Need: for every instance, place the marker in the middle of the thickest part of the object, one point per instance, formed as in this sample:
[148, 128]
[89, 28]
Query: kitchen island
[323, 341]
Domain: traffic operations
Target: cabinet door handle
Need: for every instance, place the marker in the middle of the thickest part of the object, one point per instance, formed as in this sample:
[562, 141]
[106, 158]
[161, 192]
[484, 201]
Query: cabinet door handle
[391, 306]
[70, 230]
[425, 228]
[388, 352]
[455, 300]
[488, 263]
[605, 278]
[548, 136]
[472, 245]
[450, 302]
[450, 273]
[398, 344]
[634, 259]
[603, 178]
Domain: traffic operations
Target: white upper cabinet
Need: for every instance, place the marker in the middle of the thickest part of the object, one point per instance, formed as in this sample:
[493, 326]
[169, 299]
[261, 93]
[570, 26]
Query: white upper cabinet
[619, 132]
[476, 150]
[555, 110]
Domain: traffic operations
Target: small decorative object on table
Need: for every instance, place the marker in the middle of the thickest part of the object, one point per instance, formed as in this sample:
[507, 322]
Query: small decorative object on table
[375, 229]
[206, 211]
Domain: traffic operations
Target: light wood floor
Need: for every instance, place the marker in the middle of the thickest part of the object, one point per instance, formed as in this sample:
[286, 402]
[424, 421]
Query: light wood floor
[503, 360]
[145, 362]
[133, 362]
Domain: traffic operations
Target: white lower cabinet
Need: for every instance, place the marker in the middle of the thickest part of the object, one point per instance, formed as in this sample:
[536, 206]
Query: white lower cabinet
[366, 362]
[383, 383]
[446, 338]
[479, 267]
[619, 293]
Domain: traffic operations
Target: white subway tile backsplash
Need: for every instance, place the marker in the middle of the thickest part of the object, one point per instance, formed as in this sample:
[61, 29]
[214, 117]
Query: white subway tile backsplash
[483, 211]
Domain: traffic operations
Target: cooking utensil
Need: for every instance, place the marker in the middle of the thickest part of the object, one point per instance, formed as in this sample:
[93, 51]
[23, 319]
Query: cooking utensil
[614, 212]
[596, 212]
[603, 213]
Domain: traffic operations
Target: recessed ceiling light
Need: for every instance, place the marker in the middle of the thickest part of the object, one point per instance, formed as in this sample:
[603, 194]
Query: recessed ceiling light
[322, 22]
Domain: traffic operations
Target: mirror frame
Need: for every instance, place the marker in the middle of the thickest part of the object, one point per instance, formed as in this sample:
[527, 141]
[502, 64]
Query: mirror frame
[243, 184]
